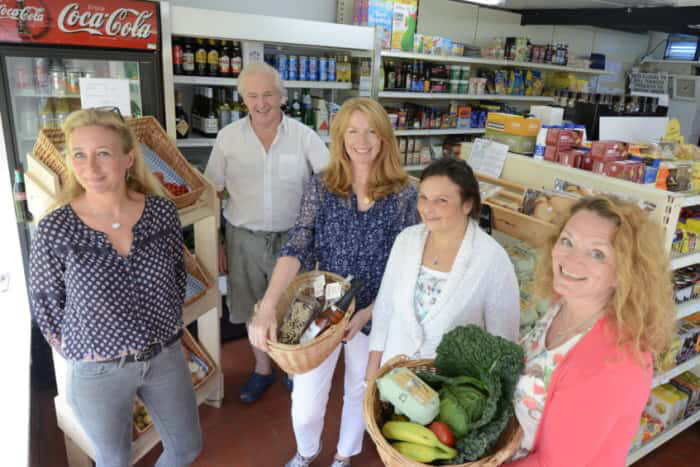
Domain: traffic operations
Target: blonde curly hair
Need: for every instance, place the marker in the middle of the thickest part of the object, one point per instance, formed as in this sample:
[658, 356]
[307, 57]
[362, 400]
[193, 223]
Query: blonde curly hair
[140, 178]
[642, 306]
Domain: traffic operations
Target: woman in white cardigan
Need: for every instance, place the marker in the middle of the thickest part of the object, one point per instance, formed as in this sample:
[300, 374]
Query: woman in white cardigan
[443, 273]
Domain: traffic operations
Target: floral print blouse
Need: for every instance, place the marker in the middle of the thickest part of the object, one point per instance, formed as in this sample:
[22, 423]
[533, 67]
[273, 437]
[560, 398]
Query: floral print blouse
[531, 390]
[428, 287]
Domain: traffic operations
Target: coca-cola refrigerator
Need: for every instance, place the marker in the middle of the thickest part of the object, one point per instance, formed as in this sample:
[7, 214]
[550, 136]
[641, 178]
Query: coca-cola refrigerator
[47, 46]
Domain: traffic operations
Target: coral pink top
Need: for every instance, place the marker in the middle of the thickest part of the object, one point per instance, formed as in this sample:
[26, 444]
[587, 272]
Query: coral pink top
[594, 400]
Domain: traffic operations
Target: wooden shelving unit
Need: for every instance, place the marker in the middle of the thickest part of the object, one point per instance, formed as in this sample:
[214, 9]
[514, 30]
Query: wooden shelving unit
[42, 187]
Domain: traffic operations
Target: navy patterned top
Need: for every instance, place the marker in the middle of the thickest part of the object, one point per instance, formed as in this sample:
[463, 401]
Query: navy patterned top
[90, 302]
[331, 230]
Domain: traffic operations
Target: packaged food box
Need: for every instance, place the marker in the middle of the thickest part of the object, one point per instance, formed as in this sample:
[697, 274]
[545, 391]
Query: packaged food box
[666, 404]
[587, 162]
[688, 333]
[650, 427]
[550, 154]
[561, 138]
[608, 149]
[570, 158]
[403, 24]
[380, 14]
[519, 133]
[674, 176]
[689, 383]
[423, 44]
[464, 113]
[441, 45]
[667, 360]
[409, 395]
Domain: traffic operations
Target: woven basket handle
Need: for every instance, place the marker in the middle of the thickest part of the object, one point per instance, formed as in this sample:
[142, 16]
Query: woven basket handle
[397, 359]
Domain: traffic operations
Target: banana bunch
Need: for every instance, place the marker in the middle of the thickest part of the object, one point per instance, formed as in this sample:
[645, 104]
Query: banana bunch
[416, 441]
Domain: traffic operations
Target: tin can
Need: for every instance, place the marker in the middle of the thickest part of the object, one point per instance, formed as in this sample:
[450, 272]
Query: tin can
[322, 69]
[293, 67]
[41, 73]
[57, 81]
[73, 81]
[23, 75]
[331, 69]
[313, 68]
[282, 65]
[304, 68]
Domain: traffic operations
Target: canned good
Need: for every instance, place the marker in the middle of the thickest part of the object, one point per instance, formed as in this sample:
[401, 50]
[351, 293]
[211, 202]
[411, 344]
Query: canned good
[466, 72]
[41, 73]
[282, 66]
[322, 69]
[23, 75]
[454, 71]
[454, 86]
[57, 81]
[463, 87]
[304, 68]
[293, 67]
[331, 69]
[313, 68]
[73, 81]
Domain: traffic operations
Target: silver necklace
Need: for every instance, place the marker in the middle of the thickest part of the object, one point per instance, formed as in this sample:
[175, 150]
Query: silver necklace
[116, 225]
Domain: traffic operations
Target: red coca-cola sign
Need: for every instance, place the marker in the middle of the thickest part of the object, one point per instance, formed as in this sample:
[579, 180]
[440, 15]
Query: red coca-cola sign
[124, 24]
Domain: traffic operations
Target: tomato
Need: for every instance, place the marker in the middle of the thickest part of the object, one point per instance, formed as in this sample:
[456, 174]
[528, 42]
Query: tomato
[443, 433]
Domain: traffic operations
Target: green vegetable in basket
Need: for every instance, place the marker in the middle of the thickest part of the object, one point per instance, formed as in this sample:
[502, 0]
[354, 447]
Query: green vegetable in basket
[477, 374]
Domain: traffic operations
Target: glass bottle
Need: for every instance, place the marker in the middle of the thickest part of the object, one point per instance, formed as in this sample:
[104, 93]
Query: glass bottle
[20, 195]
[225, 59]
[296, 108]
[236, 59]
[223, 110]
[188, 57]
[182, 121]
[307, 108]
[333, 313]
[213, 58]
[200, 58]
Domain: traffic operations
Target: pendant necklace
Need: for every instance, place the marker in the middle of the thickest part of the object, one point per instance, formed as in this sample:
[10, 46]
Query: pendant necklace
[116, 225]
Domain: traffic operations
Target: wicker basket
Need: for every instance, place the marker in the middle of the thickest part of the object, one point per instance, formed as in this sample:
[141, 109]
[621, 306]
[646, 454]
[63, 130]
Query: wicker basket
[193, 267]
[297, 359]
[50, 144]
[149, 132]
[372, 408]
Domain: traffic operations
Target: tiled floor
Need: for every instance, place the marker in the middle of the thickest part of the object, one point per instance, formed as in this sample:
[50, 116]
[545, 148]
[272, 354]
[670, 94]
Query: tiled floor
[260, 435]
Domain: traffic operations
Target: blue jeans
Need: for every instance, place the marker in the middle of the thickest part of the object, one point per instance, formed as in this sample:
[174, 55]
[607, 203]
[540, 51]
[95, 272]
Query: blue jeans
[102, 396]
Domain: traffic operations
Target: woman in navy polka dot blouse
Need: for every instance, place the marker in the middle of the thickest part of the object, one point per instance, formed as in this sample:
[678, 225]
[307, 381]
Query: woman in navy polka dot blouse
[107, 286]
[349, 218]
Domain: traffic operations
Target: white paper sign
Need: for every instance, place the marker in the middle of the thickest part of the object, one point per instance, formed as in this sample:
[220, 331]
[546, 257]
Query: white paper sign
[488, 157]
[648, 84]
[101, 92]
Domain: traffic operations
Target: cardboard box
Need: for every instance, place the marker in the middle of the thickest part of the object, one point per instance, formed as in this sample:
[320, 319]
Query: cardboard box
[380, 14]
[666, 404]
[550, 154]
[570, 158]
[689, 383]
[464, 113]
[587, 162]
[608, 149]
[519, 133]
[561, 138]
[403, 24]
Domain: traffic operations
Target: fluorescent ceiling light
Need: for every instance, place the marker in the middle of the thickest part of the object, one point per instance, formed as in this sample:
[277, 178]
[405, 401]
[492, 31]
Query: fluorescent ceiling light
[485, 2]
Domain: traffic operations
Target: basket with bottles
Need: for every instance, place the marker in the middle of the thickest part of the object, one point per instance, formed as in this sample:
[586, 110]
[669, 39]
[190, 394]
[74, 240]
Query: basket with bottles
[313, 314]
[455, 410]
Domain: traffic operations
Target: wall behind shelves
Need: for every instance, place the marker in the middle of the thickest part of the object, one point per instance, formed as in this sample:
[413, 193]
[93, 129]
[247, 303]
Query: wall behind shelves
[315, 10]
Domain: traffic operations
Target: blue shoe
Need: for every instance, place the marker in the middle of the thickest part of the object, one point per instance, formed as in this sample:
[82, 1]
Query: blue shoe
[288, 382]
[256, 386]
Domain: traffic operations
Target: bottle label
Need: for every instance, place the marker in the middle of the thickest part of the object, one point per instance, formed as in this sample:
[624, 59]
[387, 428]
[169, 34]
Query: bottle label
[188, 61]
[236, 65]
[177, 55]
[224, 65]
[20, 196]
[201, 56]
[333, 291]
[319, 284]
[182, 127]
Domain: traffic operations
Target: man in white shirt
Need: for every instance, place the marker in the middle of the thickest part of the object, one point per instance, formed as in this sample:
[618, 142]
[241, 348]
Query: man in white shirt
[263, 161]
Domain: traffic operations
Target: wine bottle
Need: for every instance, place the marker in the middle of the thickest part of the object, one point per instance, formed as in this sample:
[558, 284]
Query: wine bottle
[333, 313]
[20, 195]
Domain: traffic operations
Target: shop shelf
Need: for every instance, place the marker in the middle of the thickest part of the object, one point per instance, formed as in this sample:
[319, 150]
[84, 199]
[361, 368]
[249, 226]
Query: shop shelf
[489, 62]
[206, 303]
[664, 378]
[37, 93]
[205, 80]
[415, 167]
[462, 97]
[437, 132]
[681, 261]
[661, 438]
[197, 142]
[292, 84]
[693, 200]
[687, 308]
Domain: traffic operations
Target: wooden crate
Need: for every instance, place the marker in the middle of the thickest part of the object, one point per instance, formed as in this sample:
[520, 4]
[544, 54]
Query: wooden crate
[506, 218]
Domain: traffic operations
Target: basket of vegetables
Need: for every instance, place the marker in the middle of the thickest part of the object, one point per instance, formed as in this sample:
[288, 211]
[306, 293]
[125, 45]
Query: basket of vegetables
[313, 314]
[455, 410]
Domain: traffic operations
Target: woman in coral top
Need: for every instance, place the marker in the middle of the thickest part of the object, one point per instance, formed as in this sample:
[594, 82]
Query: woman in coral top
[588, 365]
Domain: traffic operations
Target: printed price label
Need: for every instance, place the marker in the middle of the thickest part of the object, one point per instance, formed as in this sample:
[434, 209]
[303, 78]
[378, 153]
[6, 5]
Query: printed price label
[333, 291]
[319, 285]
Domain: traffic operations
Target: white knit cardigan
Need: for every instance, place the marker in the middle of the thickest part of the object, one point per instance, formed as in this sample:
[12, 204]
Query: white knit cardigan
[481, 288]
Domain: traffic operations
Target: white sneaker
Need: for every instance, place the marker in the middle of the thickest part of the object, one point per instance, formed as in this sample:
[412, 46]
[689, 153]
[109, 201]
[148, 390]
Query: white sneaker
[300, 461]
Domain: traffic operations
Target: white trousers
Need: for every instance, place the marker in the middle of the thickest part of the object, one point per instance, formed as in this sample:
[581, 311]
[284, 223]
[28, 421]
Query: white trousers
[310, 398]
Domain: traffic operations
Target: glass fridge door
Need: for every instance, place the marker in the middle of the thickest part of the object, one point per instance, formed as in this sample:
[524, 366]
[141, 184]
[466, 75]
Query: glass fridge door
[43, 91]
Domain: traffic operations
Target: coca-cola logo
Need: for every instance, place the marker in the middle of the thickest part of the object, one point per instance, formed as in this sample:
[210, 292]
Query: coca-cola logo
[122, 22]
[28, 13]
